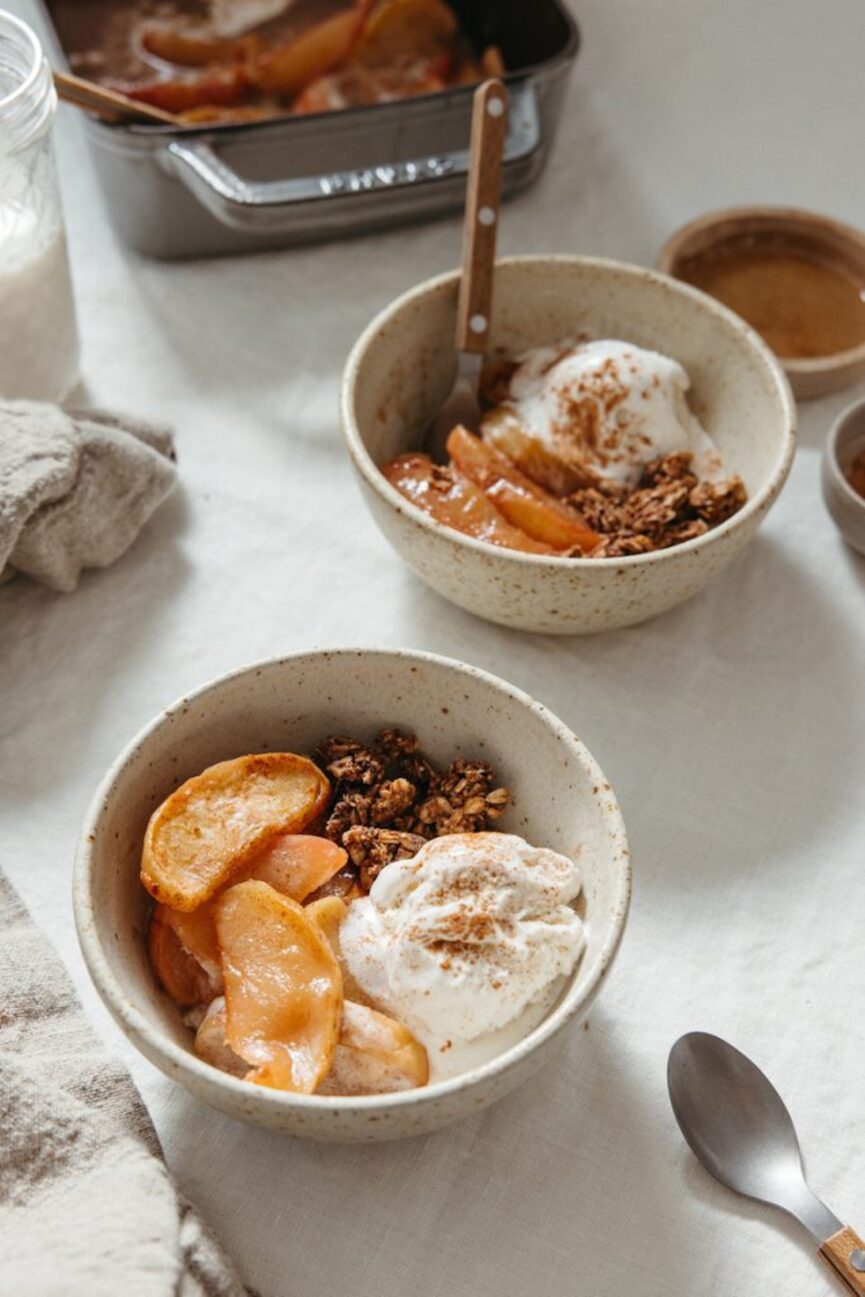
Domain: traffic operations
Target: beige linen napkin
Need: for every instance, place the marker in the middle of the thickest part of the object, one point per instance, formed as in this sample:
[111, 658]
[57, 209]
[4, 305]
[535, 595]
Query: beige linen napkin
[76, 488]
[87, 1208]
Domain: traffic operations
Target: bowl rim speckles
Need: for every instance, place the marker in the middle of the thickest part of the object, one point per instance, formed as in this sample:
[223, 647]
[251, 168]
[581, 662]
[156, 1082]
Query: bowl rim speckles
[373, 476]
[256, 1102]
[846, 506]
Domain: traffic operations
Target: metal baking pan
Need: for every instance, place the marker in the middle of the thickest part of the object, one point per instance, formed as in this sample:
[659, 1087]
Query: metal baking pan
[213, 190]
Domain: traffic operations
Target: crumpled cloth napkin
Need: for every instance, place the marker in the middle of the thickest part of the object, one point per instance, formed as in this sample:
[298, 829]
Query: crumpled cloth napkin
[86, 1203]
[76, 488]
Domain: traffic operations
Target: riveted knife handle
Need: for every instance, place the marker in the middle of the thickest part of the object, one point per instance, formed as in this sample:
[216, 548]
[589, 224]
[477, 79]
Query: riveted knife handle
[845, 1252]
[483, 198]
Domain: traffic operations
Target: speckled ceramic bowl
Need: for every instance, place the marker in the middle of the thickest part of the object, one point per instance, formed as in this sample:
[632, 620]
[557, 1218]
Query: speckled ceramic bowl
[846, 507]
[401, 368]
[561, 800]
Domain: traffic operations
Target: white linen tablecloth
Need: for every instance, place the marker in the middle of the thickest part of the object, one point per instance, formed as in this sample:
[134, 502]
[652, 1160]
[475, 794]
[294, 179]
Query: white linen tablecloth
[732, 729]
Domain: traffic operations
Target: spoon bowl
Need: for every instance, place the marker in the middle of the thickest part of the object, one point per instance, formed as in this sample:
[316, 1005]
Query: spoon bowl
[737, 1124]
[738, 1127]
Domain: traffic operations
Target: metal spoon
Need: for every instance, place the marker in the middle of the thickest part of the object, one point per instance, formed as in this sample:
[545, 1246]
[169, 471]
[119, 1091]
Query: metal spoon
[737, 1125]
[474, 305]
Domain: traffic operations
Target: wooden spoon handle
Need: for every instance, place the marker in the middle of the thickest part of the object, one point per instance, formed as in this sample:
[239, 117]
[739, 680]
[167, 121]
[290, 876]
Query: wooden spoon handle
[109, 104]
[845, 1252]
[483, 195]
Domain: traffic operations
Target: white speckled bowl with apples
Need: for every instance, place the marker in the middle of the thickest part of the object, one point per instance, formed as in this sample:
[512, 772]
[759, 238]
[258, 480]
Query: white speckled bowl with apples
[401, 369]
[560, 800]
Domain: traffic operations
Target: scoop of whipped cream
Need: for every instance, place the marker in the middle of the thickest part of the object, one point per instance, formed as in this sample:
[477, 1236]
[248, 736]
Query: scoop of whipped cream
[459, 941]
[609, 405]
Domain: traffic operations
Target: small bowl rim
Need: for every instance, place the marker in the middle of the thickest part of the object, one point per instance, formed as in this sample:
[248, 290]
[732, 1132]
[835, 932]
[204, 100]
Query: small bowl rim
[171, 1057]
[676, 248]
[831, 459]
[373, 475]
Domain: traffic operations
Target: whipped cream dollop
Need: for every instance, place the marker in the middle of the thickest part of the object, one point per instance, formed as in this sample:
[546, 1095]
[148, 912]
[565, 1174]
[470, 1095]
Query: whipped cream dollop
[464, 940]
[609, 405]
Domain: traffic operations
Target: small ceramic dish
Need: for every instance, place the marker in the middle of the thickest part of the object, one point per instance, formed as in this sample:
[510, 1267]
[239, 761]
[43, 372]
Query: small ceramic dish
[846, 440]
[401, 369]
[791, 304]
[560, 799]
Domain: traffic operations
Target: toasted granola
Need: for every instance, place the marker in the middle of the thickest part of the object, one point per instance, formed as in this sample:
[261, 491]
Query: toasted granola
[371, 849]
[669, 506]
[621, 545]
[390, 798]
[714, 502]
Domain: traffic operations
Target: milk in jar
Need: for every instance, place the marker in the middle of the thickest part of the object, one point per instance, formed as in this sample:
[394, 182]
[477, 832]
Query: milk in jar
[38, 334]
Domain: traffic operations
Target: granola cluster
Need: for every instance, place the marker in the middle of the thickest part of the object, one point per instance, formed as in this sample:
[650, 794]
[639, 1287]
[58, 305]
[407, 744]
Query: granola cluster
[390, 799]
[669, 505]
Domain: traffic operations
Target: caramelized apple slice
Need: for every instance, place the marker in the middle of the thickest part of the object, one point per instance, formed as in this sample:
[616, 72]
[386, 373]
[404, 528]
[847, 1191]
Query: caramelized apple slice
[220, 86]
[454, 501]
[283, 988]
[524, 505]
[196, 931]
[177, 970]
[295, 864]
[501, 429]
[193, 51]
[375, 1055]
[211, 1045]
[400, 30]
[217, 822]
[298, 864]
[329, 913]
[285, 69]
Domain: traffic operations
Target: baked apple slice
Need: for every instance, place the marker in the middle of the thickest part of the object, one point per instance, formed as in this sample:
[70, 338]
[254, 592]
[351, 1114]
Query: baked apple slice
[218, 821]
[189, 50]
[196, 932]
[522, 503]
[285, 69]
[329, 913]
[283, 987]
[223, 85]
[298, 864]
[454, 501]
[398, 31]
[295, 864]
[501, 429]
[177, 970]
[375, 1055]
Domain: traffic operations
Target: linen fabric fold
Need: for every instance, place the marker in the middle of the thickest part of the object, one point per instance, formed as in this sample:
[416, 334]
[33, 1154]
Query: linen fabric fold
[76, 488]
[86, 1202]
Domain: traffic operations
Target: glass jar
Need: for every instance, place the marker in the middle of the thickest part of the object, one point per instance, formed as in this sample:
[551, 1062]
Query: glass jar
[38, 334]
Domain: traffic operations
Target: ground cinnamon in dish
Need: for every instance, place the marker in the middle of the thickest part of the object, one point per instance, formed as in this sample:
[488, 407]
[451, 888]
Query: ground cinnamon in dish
[804, 306]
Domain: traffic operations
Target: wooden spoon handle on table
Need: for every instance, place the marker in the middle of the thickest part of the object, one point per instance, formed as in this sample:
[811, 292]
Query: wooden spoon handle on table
[483, 199]
[108, 104]
[845, 1253]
